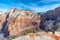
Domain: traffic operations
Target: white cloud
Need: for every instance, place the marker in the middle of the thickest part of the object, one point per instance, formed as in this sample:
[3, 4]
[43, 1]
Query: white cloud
[1, 9]
[41, 9]
[44, 8]
[47, 1]
[33, 6]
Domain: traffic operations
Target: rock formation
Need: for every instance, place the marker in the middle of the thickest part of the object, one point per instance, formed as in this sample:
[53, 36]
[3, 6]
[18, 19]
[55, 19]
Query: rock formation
[20, 20]
[51, 15]
[17, 22]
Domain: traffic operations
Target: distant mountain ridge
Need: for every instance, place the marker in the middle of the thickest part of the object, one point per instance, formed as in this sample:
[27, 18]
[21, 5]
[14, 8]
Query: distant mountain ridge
[50, 20]
[51, 14]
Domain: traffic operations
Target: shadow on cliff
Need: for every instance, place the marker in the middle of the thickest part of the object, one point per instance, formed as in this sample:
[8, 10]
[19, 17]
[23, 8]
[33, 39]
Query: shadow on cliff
[4, 29]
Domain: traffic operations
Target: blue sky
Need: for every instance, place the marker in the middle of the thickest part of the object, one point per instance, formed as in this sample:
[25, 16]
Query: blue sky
[36, 5]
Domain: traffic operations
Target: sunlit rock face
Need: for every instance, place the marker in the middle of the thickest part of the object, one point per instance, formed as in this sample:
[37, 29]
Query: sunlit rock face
[2, 19]
[20, 20]
[39, 36]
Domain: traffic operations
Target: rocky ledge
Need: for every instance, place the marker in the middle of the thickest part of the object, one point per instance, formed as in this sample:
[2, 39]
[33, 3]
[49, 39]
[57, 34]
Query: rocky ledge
[39, 36]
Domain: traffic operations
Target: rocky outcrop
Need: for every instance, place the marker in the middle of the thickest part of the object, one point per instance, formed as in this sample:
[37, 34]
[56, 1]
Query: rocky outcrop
[19, 20]
[54, 17]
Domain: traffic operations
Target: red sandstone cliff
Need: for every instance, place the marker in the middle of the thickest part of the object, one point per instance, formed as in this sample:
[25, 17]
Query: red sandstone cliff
[19, 20]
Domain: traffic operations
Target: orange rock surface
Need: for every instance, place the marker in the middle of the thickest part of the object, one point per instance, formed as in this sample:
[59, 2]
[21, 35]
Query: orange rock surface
[25, 20]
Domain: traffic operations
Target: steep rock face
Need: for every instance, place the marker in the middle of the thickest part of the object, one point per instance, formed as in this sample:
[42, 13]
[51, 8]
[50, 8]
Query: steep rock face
[51, 15]
[20, 20]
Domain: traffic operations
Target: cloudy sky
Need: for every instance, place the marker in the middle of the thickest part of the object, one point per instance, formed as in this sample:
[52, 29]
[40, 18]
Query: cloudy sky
[36, 5]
